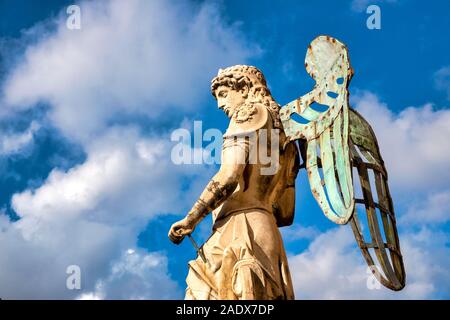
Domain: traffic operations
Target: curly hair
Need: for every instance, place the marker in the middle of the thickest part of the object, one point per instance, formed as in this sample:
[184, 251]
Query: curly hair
[240, 76]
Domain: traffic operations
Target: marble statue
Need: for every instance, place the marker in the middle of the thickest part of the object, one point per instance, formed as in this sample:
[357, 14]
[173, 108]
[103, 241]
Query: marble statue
[244, 258]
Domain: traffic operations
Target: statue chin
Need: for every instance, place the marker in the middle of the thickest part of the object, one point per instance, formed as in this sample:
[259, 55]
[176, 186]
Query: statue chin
[228, 111]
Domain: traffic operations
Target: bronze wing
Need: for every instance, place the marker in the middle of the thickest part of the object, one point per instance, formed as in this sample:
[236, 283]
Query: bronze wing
[335, 139]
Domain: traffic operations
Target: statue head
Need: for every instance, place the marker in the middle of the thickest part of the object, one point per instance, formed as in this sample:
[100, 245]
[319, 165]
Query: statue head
[240, 84]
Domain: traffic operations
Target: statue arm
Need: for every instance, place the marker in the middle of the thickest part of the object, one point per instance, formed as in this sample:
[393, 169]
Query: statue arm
[224, 182]
[219, 188]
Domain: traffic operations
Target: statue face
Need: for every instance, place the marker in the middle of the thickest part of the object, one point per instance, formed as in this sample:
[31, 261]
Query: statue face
[228, 99]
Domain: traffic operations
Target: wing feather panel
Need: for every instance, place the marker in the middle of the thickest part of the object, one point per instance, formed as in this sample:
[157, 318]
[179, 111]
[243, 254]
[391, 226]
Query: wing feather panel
[337, 140]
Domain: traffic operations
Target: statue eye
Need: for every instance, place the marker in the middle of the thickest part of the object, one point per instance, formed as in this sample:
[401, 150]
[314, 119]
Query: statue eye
[222, 94]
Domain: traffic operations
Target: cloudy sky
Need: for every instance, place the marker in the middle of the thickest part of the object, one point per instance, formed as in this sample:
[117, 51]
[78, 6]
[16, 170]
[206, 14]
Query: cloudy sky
[86, 117]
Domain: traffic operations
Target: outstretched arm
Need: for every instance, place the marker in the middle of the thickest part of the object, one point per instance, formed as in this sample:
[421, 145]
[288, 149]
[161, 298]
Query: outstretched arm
[219, 188]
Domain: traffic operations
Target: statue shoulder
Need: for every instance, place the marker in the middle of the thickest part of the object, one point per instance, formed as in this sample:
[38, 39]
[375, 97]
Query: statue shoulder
[248, 118]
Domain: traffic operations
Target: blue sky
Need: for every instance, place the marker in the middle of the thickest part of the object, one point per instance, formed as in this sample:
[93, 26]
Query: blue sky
[86, 117]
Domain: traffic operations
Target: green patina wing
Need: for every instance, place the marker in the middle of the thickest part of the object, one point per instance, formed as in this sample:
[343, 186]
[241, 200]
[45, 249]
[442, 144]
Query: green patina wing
[334, 140]
[323, 122]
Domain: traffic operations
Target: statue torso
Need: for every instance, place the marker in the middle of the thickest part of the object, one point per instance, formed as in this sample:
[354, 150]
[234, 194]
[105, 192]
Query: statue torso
[268, 174]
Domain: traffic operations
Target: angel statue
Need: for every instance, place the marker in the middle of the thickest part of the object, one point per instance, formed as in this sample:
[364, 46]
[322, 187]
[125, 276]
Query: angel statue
[244, 258]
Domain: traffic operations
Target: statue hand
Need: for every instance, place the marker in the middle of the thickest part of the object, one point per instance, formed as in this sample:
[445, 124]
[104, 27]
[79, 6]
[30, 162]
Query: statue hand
[180, 229]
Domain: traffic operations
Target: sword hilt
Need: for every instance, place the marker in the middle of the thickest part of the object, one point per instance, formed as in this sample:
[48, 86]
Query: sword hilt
[199, 250]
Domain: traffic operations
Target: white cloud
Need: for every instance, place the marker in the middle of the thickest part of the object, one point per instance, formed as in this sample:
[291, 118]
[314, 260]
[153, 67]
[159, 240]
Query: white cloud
[333, 268]
[296, 232]
[91, 214]
[319, 272]
[130, 59]
[434, 209]
[442, 80]
[136, 275]
[123, 172]
[15, 142]
[413, 143]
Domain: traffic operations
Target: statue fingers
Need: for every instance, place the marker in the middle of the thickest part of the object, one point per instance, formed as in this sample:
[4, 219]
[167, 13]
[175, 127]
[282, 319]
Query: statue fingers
[185, 231]
[175, 237]
[178, 231]
[174, 234]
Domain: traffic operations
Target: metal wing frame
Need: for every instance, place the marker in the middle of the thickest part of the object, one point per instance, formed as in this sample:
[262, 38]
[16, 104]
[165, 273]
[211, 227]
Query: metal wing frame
[377, 204]
[336, 142]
